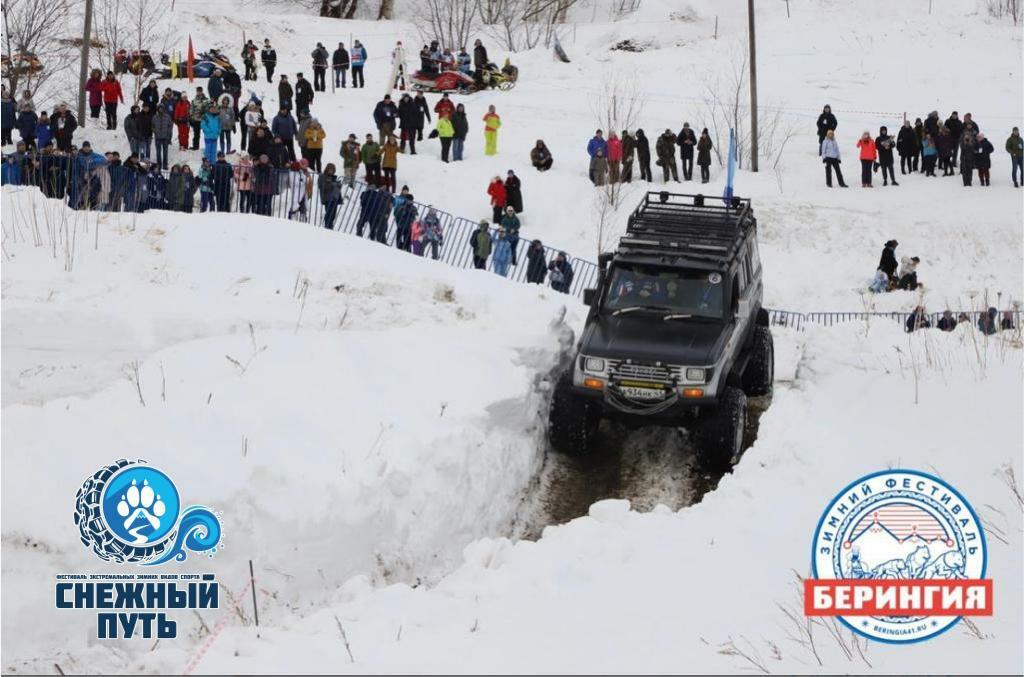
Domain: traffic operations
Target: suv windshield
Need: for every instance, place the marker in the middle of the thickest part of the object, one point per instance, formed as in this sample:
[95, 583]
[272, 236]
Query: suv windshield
[690, 292]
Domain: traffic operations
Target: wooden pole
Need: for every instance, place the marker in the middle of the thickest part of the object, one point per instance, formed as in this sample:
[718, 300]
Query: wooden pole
[716, 27]
[255, 609]
[83, 70]
[753, 87]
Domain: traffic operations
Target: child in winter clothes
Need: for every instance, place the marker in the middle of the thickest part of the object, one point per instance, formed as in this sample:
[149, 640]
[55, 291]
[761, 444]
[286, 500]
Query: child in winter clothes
[433, 235]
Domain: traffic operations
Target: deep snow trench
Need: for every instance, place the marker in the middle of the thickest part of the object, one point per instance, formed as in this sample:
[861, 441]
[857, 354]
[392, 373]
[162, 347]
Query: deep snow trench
[647, 466]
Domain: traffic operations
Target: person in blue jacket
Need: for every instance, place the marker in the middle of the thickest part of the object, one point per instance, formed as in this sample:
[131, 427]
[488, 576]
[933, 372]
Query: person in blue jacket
[502, 252]
[10, 173]
[211, 132]
[44, 135]
[8, 115]
[597, 144]
[358, 58]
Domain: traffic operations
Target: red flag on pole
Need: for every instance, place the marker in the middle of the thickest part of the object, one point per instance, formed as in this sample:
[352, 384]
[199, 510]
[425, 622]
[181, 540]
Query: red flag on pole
[191, 60]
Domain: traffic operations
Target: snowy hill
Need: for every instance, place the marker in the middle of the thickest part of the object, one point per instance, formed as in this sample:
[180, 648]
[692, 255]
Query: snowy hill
[372, 423]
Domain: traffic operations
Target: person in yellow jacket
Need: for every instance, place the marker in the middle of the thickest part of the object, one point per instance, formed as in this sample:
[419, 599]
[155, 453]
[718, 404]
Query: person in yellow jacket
[389, 162]
[315, 136]
[445, 131]
[492, 121]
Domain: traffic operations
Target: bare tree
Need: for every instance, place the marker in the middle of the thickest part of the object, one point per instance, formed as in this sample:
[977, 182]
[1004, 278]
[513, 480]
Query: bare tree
[338, 9]
[452, 22]
[522, 24]
[724, 107]
[1001, 8]
[36, 42]
[617, 106]
[134, 25]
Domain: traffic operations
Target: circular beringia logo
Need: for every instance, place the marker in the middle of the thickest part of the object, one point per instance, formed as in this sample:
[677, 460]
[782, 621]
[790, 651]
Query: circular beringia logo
[899, 556]
[131, 512]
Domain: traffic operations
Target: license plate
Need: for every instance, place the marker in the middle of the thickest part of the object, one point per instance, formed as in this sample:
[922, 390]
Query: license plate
[635, 393]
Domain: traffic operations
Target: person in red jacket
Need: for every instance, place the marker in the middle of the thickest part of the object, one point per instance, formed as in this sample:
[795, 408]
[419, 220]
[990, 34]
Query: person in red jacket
[181, 119]
[868, 154]
[614, 157]
[94, 86]
[111, 95]
[445, 107]
[497, 192]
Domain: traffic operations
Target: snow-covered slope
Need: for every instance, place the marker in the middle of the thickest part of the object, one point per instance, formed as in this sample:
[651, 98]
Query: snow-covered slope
[362, 416]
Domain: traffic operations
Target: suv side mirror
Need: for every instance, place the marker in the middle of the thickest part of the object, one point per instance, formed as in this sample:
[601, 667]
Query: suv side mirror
[588, 296]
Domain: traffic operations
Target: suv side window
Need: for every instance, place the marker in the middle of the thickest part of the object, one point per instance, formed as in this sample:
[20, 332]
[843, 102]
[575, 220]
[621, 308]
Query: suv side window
[747, 269]
[755, 256]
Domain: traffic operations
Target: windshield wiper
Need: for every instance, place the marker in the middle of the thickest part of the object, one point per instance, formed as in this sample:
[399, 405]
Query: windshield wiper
[629, 309]
[677, 316]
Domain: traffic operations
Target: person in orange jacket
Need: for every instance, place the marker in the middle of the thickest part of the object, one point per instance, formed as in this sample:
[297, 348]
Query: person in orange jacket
[111, 90]
[492, 121]
[182, 109]
[868, 154]
[496, 190]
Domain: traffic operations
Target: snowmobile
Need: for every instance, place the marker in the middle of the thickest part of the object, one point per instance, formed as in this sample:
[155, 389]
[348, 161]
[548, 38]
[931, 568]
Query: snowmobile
[456, 81]
[445, 81]
[203, 66]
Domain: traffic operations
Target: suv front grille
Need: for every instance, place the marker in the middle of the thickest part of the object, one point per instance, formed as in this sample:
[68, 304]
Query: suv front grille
[645, 372]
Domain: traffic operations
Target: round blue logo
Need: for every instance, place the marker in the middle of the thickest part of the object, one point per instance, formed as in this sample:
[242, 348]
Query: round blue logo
[140, 505]
[132, 512]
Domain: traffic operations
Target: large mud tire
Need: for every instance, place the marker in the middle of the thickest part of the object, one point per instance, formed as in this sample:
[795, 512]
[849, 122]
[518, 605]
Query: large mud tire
[572, 420]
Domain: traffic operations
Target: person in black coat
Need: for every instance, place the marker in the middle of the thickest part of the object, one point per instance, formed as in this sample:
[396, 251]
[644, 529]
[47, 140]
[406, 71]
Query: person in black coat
[285, 93]
[932, 123]
[643, 155]
[268, 55]
[536, 265]
[918, 319]
[947, 322]
[687, 141]
[888, 262]
[956, 128]
[480, 60]
[983, 150]
[223, 173]
[422, 111]
[385, 115]
[907, 147]
[884, 144]
[514, 192]
[340, 61]
[303, 94]
[408, 117]
[826, 121]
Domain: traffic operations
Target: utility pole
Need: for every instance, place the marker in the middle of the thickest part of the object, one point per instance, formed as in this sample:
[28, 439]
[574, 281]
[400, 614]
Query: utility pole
[83, 72]
[753, 87]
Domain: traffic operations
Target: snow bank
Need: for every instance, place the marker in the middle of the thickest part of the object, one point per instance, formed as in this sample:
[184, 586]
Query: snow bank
[349, 410]
[620, 591]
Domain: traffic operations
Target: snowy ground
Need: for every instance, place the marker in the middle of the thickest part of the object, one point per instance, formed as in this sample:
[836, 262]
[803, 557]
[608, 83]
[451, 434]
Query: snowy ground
[395, 415]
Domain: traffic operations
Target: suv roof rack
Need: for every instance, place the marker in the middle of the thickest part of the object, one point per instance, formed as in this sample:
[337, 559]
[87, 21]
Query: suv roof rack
[677, 224]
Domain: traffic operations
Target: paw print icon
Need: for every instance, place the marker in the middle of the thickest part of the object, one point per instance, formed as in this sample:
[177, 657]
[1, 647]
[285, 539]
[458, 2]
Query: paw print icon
[140, 505]
[142, 510]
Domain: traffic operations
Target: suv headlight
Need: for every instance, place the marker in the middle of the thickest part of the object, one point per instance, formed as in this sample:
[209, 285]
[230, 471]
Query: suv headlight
[594, 365]
[695, 375]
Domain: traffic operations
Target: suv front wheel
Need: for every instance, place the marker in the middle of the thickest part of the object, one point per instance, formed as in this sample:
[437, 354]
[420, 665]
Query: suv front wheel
[760, 371]
[720, 433]
[572, 421]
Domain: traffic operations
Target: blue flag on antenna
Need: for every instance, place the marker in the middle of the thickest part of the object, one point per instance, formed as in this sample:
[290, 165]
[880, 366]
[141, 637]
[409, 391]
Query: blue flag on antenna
[731, 177]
